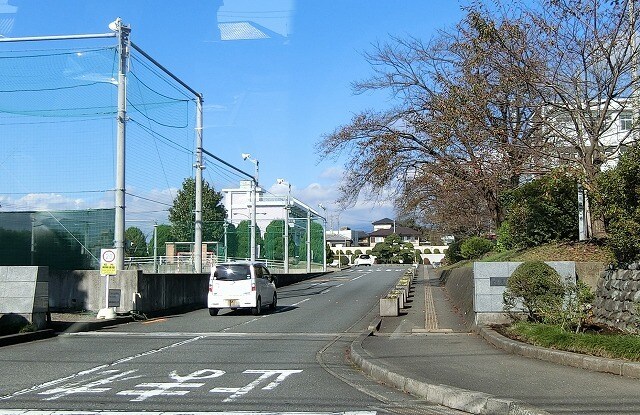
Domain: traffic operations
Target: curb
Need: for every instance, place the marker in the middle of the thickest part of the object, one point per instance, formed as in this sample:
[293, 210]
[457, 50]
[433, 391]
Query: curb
[449, 396]
[593, 363]
[11, 339]
[90, 325]
[62, 327]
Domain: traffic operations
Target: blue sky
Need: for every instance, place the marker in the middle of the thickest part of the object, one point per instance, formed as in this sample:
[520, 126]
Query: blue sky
[273, 95]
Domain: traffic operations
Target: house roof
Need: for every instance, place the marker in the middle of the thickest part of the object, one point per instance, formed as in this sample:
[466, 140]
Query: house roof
[400, 231]
[385, 221]
[336, 237]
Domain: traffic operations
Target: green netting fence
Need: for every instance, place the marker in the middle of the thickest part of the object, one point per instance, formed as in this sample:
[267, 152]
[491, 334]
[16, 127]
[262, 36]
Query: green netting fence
[58, 105]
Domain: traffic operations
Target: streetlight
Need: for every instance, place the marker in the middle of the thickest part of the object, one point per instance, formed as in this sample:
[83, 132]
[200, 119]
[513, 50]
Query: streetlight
[324, 237]
[254, 201]
[286, 225]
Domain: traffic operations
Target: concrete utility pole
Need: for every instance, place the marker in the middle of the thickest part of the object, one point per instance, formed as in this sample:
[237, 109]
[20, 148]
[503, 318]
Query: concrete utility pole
[122, 33]
[197, 249]
[254, 202]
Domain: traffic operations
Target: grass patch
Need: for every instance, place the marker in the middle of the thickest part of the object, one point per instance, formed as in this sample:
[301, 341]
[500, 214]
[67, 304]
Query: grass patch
[615, 346]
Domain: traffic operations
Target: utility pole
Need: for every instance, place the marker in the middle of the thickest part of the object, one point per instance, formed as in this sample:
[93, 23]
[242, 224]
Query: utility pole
[122, 33]
[197, 249]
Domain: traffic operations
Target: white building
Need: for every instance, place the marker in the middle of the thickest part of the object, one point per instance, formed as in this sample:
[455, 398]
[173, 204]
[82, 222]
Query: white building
[237, 203]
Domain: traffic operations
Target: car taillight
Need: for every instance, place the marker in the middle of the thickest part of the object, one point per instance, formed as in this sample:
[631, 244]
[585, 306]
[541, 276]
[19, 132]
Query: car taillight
[253, 286]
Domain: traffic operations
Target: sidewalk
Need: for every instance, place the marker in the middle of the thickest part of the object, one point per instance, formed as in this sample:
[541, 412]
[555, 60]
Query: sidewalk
[429, 353]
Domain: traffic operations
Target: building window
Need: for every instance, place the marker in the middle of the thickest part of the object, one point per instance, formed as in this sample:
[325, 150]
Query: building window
[626, 121]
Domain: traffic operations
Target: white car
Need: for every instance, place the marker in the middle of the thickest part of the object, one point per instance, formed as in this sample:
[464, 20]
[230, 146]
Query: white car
[364, 259]
[241, 285]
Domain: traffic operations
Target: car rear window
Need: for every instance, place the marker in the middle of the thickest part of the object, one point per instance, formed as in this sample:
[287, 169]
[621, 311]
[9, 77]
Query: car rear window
[364, 256]
[232, 272]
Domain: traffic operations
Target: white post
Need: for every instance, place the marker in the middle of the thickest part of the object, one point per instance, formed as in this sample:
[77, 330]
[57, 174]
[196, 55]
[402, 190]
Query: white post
[155, 248]
[226, 252]
[308, 241]
[286, 232]
[254, 185]
[106, 293]
[324, 238]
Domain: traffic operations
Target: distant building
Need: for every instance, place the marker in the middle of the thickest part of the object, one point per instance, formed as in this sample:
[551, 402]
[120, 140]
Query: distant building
[237, 203]
[385, 227]
[344, 237]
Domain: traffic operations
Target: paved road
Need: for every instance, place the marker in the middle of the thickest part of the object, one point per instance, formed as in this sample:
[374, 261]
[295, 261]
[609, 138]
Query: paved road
[289, 361]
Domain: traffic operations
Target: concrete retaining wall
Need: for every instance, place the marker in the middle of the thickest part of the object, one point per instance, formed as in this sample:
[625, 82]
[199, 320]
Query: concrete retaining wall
[459, 285]
[146, 293]
[23, 296]
[617, 302]
[85, 290]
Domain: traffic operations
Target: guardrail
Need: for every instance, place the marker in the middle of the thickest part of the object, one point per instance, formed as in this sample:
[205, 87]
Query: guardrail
[396, 299]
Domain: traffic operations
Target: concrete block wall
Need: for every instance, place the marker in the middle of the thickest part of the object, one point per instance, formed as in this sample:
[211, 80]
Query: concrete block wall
[165, 292]
[85, 290]
[24, 295]
[617, 302]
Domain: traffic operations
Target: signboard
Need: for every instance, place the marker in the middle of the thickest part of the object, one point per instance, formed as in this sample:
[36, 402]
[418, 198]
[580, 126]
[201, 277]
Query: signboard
[114, 298]
[108, 262]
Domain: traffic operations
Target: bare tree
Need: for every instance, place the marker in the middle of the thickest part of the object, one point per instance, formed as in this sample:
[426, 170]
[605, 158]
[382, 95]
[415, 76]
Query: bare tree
[589, 82]
[457, 132]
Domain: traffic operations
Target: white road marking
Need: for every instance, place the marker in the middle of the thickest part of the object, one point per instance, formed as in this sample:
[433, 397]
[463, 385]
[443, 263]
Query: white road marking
[264, 375]
[95, 369]
[230, 335]
[115, 412]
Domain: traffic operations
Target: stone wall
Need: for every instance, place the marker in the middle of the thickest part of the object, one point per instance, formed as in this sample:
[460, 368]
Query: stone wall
[617, 302]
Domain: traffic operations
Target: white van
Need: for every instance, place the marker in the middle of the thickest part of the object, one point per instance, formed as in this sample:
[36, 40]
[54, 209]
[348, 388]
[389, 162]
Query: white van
[241, 285]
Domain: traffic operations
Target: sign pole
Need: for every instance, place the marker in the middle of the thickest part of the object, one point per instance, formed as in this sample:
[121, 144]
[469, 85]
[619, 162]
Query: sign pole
[108, 267]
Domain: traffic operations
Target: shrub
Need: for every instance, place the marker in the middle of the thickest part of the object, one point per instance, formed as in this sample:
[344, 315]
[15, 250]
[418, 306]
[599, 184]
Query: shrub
[418, 257]
[436, 251]
[453, 253]
[344, 260]
[577, 308]
[427, 251]
[617, 200]
[357, 252]
[475, 247]
[540, 211]
[539, 289]
[348, 252]
[29, 328]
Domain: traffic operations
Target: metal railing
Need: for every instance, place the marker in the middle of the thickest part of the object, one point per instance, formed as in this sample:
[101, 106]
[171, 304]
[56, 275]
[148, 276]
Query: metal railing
[179, 264]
